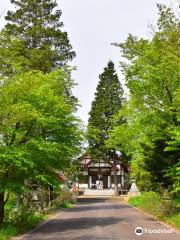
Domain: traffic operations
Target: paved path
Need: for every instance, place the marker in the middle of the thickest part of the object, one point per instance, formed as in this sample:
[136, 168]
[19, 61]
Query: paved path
[100, 221]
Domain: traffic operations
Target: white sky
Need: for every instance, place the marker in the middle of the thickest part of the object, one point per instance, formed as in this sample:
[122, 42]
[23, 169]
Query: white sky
[92, 26]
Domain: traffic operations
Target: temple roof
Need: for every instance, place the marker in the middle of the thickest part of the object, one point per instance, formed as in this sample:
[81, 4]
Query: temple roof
[86, 162]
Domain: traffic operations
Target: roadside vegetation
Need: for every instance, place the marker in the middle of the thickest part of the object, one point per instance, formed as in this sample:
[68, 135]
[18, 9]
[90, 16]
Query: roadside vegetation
[40, 133]
[167, 209]
[146, 129]
[19, 221]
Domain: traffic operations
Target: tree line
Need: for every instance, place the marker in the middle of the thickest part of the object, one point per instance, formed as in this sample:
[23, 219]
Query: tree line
[145, 125]
[39, 132]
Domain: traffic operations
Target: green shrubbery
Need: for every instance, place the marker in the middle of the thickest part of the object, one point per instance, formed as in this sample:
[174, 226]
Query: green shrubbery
[18, 222]
[7, 231]
[146, 128]
[22, 219]
[174, 220]
[66, 204]
[164, 209]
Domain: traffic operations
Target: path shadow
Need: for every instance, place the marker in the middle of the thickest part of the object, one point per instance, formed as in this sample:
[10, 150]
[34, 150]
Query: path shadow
[89, 207]
[91, 237]
[84, 237]
[62, 225]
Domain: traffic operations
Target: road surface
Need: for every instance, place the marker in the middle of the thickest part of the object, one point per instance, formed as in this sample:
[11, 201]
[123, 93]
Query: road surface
[101, 221]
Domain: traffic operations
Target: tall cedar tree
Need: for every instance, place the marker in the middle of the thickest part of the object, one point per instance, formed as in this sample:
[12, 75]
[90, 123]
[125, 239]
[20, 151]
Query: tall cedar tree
[37, 25]
[108, 101]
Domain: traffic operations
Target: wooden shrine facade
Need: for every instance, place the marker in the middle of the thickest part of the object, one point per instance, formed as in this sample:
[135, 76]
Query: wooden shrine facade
[103, 171]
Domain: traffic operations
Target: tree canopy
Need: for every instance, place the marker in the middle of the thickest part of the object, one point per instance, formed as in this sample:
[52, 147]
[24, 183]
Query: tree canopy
[38, 129]
[39, 133]
[150, 133]
[107, 102]
[33, 33]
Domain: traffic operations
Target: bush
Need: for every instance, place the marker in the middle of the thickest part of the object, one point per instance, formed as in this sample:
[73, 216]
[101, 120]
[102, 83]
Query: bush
[66, 204]
[19, 222]
[66, 196]
[174, 220]
[7, 231]
[176, 201]
[148, 201]
[154, 204]
[167, 208]
[23, 219]
[135, 201]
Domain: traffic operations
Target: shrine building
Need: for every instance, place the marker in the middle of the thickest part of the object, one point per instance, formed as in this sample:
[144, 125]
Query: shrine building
[103, 171]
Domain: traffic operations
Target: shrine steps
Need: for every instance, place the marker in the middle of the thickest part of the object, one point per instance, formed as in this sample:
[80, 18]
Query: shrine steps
[95, 192]
[105, 195]
[91, 199]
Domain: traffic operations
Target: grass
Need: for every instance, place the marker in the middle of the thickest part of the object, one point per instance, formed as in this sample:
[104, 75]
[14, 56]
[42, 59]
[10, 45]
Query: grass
[7, 231]
[151, 202]
[66, 204]
[10, 229]
[20, 222]
[174, 220]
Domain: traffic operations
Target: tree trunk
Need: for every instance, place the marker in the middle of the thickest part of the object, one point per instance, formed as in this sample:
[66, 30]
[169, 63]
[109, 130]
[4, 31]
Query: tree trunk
[116, 193]
[2, 203]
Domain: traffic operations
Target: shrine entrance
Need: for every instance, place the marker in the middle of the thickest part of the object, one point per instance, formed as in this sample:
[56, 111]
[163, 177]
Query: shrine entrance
[102, 171]
[101, 174]
[105, 181]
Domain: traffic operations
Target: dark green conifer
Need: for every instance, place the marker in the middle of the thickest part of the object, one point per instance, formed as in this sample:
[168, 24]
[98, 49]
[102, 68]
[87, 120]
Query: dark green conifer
[37, 25]
[108, 101]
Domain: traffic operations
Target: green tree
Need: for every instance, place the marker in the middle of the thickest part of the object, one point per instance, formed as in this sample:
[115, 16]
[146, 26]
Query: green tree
[108, 100]
[151, 72]
[39, 134]
[174, 145]
[36, 27]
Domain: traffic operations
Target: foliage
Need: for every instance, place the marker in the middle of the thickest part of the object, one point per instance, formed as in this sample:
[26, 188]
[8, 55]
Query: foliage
[174, 220]
[20, 222]
[11, 59]
[150, 201]
[40, 134]
[33, 34]
[174, 173]
[65, 204]
[154, 204]
[174, 145]
[38, 127]
[24, 220]
[108, 100]
[7, 231]
[150, 132]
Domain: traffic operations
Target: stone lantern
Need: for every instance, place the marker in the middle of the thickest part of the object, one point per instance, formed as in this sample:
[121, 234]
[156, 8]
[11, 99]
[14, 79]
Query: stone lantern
[134, 191]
